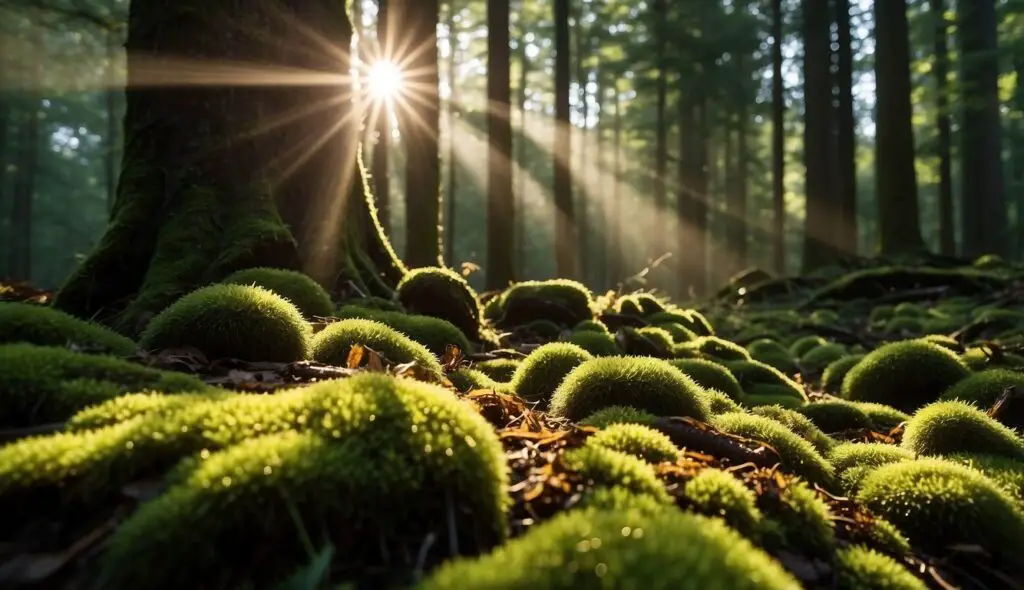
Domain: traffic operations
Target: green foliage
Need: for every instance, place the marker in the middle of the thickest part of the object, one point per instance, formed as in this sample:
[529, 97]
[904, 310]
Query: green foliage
[232, 321]
[1005, 472]
[985, 388]
[835, 372]
[43, 384]
[441, 293]
[860, 568]
[715, 348]
[720, 403]
[596, 343]
[946, 342]
[636, 440]
[603, 467]
[434, 333]
[659, 336]
[801, 520]
[617, 415]
[798, 455]
[636, 549]
[949, 427]
[801, 346]
[498, 369]
[590, 326]
[44, 326]
[710, 375]
[980, 358]
[690, 319]
[905, 375]
[651, 385]
[836, 416]
[714, 492]
[771, 398]
[302, 291]
[132, 405]
[540, 373]
[798, 423]
[757, 378]
[332, 344]
[938, 504]
[561, 301]
[820, 357]
[855, 461]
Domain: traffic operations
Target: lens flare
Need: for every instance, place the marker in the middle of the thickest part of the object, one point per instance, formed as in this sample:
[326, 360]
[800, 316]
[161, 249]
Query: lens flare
[385, 81]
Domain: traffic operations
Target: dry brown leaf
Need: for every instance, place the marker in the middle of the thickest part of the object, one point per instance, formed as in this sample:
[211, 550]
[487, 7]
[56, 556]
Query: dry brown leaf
[355, 356]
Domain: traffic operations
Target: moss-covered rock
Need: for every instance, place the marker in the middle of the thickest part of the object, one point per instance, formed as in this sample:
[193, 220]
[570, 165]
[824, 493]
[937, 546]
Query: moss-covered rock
[596, 343]
[540, 330]
[561, 301]
[720, 403]
[1005, 472]
[434, 333]
[938, 504]
[759, 400]
[714, 492]
[441, 293]
[985, 388]
[771, 353]
[860, 568]
[837, 416]
[710, 375]
[820, 357]
[232, 321]
[798, 520]
[801, 346]
[498, 369]
[881, 314]
[714, 348]
[603, 467]
[945, 428]
[465, 379]
[855, 461]
[905, 375]
[123, 408]
[44, 384]
[798, 455]
[834, 373]
[301, 290]
[540, 373]
[617, 415]
[333, 344]
[650, 385]
[883, 416]
[944, 341]
[634, 549]
[629, 305]
[799, 424]
[679, 334]
[590, 326]
[44, 326]
[636, 440]
[660, 337]
[983, 358]
[757, 378]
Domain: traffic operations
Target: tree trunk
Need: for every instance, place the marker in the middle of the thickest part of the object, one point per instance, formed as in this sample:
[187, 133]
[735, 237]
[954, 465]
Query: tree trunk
[742, 189]
[898, 219]
[522, 167]
[614, 222]
[583, 110]
[983, 193]
[450, 221]
[382, 149]
[196, 202]
[1017, 145]
[598, 270]
[846, 134]
[110, 160]
[692, 204]
[778, 143]
[19, 263]
[657, 230]
[944, 142]
[566, 255]
[500, 204]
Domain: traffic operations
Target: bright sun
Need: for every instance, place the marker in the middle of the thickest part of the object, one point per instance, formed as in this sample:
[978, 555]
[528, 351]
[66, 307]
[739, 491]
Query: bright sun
[384, 80]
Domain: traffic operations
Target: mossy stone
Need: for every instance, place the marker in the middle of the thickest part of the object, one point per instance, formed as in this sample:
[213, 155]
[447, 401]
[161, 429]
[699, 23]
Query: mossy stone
[835, 372]
[883, 416]
[562, 301]
[679, 334]
[617, 415]
[434, 333]
[799, 424]
[860, 568]
[820, 357]
[715, 348]
[771, 398]
[720, 403]
[985, 388]
[636, 440]
[333, 344]
[855, 461]
[498, 369]
[540, 373]
[1007, 473]
[465, 379]
[45, 326]
[590, 326]
[905, 375]
[837, 416]
[710, 375]
[301, 290]
[944, 341]
[797, 454]
[603, 467]
[596, 343]
[980, 358]
[798, 520]
[714, 492]
[629, 305]
[232, 321]
[945, 428]
[805, 344]
[441, 293]
[757, 378]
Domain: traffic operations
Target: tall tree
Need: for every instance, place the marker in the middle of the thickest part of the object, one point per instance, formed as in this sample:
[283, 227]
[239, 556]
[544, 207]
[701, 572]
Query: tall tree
[419, 121]
[520, 170]
[658, 227]
[450, 221]
[898, 219]
[614, 223]
[22, 195]
[944, 141]
[846, 132]
[382, 148]
[983, 193]
[500, 200]
[778, 143]
[566, 256]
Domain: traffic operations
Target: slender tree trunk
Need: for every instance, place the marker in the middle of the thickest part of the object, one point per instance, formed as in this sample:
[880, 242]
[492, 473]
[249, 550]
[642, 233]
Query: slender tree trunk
[110, 160]
[451, 212]
[614, 222]
[1017, 145]
[566, 254]
[778, 143]
[522, 168]
[697, 252]
[598, 274]
[944, 141]
[500, 202]
[742, 188]
[657, 229]
[984, 190]
[382, 149]
[20, 257]
[583, 110]
[846, 134]
[728, 262]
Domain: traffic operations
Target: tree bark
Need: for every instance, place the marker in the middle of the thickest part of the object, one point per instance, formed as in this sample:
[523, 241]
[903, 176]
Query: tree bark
[846, 134]
[566, 253]
[110, 162]
[583, 110]
[382, 148]
[614, 222]
[657, 230]
[944, 141]
[898, 218]
[19, 263]
[500, 200]
[1017, 144]
[451, 212]
[196, 202]
[778, 143]
[522, 167]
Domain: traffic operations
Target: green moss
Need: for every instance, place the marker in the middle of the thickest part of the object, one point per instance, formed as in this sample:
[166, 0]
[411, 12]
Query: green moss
[825, 316]
[302, 291]
[441, 293]
[636, 440]
[798, 455]
[714, 492]
[603, 467]
[716, 348]
[620, 499]
[801, 346]
[498, 369]
[390, 455]
[44, 326]
[860, 568]
[232, 321]
[945, 428]
[820, 357]
[908, 309]
[650, 385]
[720, 403]
[757, 378]
[543, 329]
[766, 347]
[1005, 472]
[883, 416]
[596, 343]
[904, 325]
[659, 336]
[985, 388]
[332, 344]
[650, 304]
[710, 375]
[678, 333]
[561, 301]
[590, 326]
[377, 303]
[617, 415]
[800, 520]
[784, 400]
[634, 549]
[849, 455]
[983, 358]
[837, 416]
[989, 261]
[881, 314]
[690, 319]
[799, 424]
[937, 504]
[629, 305]
[471, 379]
[540, 373]
[905, 375]
[835, 372]
[946, 342]
[43, 384]
[434, 333]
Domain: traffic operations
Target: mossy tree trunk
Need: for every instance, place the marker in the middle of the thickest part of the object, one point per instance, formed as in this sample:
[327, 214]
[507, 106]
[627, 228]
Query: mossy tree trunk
[259, 168]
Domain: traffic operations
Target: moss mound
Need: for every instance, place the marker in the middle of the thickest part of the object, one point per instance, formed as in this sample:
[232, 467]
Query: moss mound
[125, 407]
[799, 424]
[710, 375]
[833, 374]
[759, 400]
[386, 455]
[1005, 472]
[946, 342]
[820, 357]
[629, 305]
[798, 519]
[937, 504]
[679, 334]
[801, 346]
[44, 326]
[983, 358]
[636, 440]
[471, 379]
[441, 293]
[718, 349]
[836, 416]
[434, 333]
[302, 291]
[561, 301]
[798, 455]
[849, 455]
[883, 416]
[650, 385]
[720, 403]
[540, 373]
[985, 388]
[617, 415]
[860, 568]
[757, 378]
[772, 353]
[333, 344]
[905, 375]
[602, 467]
[498, 369]
[44, 384]
[944, 428]
[690, 319]
[714, 492]
[590, 326]
[232, 321]
[542, 329]
[596, 343]
[634, 549]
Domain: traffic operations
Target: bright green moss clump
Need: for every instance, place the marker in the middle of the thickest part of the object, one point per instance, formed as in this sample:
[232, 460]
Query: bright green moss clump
[714, 492]
[43, 384]
[982, 358]
[384, 455]
[650, 385]
[772, 353]
[605, 417]
[332, 344]
[596, 343]
[232, 321]
[757, 378]
[302, 291]
[441, 293]
[799, 520]
[985, 388]
[883, 416]
[805, 344]
[860, 568]
[1005, 472]
[434, 333]
[945, 428]
[937, 504]
[603, 467]
[634, 549]
[799, 424]
[540, 373]
[561, 301]
[44, 326]
[854, 461]
[820, 357]
[498, 369]
[125, 407]
[717, 348]
[798, 455]
[679, 334]
[472, 379]
[836, 416]
[590, 326]
[710, 375]
[636, 440]
[905, 375]
[719, 403]
[835, 372]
